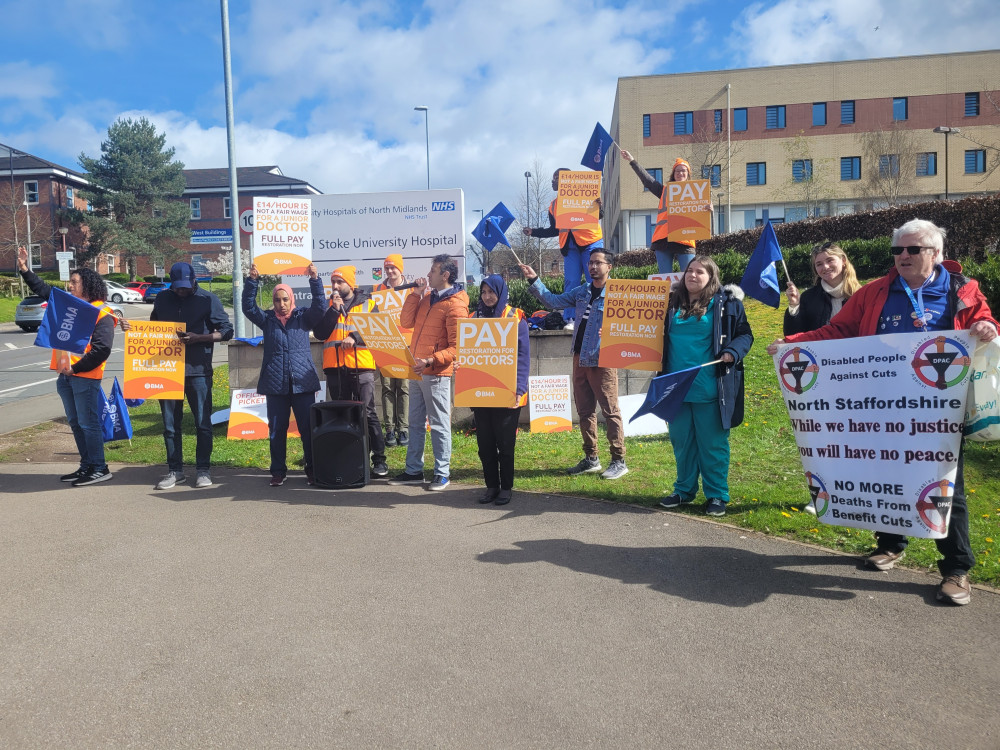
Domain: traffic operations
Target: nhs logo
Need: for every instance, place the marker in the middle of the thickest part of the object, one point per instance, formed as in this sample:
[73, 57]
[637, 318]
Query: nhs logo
[442, 205]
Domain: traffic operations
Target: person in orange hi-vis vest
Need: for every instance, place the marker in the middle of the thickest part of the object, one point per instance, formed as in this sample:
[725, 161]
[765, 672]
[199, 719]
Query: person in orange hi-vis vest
[395, 391]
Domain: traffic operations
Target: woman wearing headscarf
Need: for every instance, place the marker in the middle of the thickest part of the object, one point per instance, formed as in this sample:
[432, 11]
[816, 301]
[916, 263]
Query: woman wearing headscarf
[496, 427]
[287, 375]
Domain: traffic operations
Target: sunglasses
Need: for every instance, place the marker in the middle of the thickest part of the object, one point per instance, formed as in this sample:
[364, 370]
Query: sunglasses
[911, 249]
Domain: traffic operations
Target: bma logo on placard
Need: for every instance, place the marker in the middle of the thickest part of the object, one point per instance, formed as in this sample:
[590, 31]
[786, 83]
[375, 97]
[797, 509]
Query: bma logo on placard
[442, 205]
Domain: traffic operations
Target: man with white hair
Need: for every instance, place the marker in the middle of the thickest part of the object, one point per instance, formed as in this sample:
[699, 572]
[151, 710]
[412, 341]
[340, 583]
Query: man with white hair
[922, 292]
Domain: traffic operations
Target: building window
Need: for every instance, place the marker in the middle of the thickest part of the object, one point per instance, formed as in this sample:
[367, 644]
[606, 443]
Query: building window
[740, 119]
[111, 263]
[847, 112]
[646, 128]
[195, 208]
[819, 114]
[900, 108]
[35, 256]
[972, 104]
[718, 120]
[975, 161]
[757, 173]
[802, 170]
[775, 117]
[927, 164]
[850, 168]
[888, 165]
[226, 208]
[712, 172]
[31, 191]
[69, 197]
[683, 123]
[657, 174]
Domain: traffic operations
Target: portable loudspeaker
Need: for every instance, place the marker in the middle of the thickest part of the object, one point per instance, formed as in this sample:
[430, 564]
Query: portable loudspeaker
[340, 444]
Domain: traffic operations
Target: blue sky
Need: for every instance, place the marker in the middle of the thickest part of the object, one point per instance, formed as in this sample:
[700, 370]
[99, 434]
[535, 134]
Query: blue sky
[326, 89]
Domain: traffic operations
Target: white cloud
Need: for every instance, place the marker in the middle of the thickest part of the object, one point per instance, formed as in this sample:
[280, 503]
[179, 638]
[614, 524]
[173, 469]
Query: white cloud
[24, 82]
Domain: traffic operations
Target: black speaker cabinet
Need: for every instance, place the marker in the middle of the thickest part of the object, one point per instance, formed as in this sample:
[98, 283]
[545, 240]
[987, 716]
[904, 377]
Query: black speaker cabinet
[340, 444]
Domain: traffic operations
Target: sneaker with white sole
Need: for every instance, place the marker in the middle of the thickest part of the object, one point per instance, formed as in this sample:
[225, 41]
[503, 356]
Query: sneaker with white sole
[883, 559]
[406, 478]
[569, 326]
[92, 477]
[616, 470]
[438, 483]
[204, 480]
[955, 589]
[810, 508]
[715, 507]
[675, 501]
[586, 466]
[171, 479]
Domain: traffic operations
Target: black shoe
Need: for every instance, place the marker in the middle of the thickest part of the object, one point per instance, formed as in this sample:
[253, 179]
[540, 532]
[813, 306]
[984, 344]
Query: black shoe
[380, 470]
[74, 476]
[715, 507]
[490, 495]
[401, 438]
[390, 439]
[674, 501]
[93, 477]
[504, 497]
[405, 478]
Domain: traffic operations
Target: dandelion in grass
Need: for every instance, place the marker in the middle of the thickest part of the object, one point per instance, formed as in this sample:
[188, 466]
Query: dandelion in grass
[795, 509]
[786, 515]
[814, 531]
[988, 539]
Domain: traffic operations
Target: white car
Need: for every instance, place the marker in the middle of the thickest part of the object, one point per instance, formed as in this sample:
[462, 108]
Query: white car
[119, 293]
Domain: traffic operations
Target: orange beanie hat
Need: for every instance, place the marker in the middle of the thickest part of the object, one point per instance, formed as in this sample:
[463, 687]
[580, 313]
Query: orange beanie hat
[395, 260]
[348, 274]
[677, 164]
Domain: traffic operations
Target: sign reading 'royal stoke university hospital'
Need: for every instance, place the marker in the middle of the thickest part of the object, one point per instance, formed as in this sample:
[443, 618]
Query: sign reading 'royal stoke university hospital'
[878, 425]
[361, 229]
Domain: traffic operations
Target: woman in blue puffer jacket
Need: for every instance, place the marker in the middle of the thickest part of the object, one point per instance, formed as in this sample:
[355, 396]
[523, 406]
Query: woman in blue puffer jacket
[288, 375]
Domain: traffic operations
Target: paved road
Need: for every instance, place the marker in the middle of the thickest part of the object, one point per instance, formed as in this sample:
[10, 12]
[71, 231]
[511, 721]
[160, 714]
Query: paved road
[245, 617]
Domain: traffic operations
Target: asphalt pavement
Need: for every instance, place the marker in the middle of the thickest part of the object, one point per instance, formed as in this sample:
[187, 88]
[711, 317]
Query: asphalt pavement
[244, 616]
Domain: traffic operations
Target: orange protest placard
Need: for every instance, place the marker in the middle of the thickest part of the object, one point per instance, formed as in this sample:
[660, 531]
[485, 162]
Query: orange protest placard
[247, 416]
[576, 206]
[632, 330]
[154, 360]
[486, 356]
[688, 205]
[548, 397]
[282, 235]
[392, 353]
[390, 301]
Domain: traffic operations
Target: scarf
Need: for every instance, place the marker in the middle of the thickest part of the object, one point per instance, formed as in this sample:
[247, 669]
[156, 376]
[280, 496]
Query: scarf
[291, 296]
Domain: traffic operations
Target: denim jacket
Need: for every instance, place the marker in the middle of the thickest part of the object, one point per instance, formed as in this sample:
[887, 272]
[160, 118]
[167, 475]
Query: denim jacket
[590, 347]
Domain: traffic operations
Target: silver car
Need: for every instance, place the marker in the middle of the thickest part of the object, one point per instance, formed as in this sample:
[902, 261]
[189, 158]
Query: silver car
[31, 310]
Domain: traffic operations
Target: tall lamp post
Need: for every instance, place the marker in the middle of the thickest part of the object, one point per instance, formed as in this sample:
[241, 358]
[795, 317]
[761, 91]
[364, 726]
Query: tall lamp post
[527, 208]
[427, 139]
[947, 131]
[27, 211]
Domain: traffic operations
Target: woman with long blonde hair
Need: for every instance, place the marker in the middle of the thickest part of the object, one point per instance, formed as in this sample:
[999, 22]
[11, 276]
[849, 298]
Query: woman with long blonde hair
[834, 281]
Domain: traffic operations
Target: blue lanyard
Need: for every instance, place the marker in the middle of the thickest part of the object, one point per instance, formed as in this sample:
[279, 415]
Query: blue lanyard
[920, 316]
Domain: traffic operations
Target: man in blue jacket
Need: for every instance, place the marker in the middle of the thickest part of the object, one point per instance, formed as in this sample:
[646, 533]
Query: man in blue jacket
[592, 385]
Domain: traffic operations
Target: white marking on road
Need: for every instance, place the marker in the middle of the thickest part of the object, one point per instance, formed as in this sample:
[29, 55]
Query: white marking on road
[30, 385]
[10, 345]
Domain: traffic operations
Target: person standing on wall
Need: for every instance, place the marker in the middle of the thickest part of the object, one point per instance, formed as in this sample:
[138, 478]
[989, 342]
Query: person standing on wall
[395, 391]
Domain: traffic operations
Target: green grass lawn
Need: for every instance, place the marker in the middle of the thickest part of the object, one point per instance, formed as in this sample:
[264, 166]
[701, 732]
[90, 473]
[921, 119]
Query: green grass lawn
[7, 307]
[766, 480]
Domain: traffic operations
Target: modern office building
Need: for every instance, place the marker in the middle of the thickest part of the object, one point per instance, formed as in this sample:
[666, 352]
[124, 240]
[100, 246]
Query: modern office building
[788, 142]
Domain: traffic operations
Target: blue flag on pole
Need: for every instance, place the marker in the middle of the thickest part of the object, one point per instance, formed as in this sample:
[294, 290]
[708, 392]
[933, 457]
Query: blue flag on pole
[68, 323]
[493, 227]
[666, 394]
[597, 149]
[117, 425]
[760, 280]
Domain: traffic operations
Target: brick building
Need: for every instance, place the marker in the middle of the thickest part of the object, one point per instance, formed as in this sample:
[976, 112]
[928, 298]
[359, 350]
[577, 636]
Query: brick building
[786, 142]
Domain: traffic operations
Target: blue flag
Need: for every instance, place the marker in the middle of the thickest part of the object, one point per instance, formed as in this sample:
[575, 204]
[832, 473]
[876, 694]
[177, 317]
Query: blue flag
[666, 394]
[117, 425]
[760, 280]
[597, 149]
[68, 323]
[493, 227]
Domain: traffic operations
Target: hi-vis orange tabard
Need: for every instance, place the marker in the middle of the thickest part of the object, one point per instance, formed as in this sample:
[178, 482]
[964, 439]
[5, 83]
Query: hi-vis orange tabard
[154, 360]
[576, 206]
[632, 331]
[390, 301]
[382, 337]
[486, 356]
[689, 217]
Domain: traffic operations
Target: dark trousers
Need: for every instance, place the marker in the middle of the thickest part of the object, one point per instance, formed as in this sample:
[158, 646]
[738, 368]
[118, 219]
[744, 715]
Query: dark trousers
[279, 409]
[198, 389]
[956, 547]
[496, 433]
[346, 384]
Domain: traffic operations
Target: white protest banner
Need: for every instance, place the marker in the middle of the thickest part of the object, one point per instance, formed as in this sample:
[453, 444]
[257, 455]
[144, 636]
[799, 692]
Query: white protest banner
[247, 416]
[878, 425]
[282, 235]
[548, 400]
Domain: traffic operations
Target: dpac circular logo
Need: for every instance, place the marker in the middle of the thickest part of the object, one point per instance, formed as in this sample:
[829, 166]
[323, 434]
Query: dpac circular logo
[941, 362]
[817, 491]
[934, 505]
[798, 370]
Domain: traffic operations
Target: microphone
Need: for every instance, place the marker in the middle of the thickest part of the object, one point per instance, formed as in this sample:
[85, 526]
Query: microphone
[401, 287]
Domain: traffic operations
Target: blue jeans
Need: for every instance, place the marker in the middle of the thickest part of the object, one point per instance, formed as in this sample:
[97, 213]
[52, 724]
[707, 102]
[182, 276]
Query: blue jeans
[575, 267]
[667, 251]
[279, 409]
[198, 390]
[84, 407]
[430, 399]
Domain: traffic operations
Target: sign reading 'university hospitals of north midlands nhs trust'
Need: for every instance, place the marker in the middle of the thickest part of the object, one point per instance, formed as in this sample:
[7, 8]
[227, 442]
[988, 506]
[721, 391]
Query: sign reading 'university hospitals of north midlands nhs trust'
[361, 229]
[878, 424]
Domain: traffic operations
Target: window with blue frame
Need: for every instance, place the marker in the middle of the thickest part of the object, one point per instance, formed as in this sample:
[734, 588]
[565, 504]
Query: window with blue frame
[683, 123]
[819, 114]
[740, 119]
[646, 130]
[975, 161]
[972, 104]
[850, 168]
[712, 172]
[657, 174]
[774, 118]
[888, 165]
[927, 164]
[718, 120]
[802, 170]
[757, 173]
[900, 108]
[847, 112]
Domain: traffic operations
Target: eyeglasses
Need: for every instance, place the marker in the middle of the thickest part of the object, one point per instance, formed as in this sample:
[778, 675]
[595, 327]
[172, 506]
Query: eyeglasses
[911, 249]
[598, 263]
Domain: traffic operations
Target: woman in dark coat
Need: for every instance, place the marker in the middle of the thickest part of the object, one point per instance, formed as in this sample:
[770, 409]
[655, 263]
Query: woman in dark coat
[834, 281]
[288, 375]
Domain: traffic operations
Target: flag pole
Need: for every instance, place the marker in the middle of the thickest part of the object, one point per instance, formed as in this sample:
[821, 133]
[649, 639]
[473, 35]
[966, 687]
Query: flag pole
[519, 262]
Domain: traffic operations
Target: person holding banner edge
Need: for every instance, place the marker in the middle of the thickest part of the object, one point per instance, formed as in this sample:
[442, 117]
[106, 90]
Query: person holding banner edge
[705, 322]
[922, 291]
[592, 385]
[79, 380]
[395, 391]
[288, 377]
[496, 428]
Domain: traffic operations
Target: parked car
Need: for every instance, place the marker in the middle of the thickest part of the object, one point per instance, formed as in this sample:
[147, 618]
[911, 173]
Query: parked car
[119, 293]
[30, 311]
[139, 286]
[153, 289]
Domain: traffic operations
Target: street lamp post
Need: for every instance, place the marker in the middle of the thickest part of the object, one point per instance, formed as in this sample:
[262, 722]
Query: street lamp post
[486, 253]
[27, 211]
[427, 140]
[947, 131]
[527, 209]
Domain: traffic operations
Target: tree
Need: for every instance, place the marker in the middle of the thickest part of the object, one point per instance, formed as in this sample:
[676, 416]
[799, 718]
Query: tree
[135, 207]
[808, 182]
[712, 157]
[889, 164]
